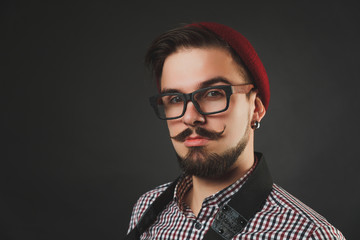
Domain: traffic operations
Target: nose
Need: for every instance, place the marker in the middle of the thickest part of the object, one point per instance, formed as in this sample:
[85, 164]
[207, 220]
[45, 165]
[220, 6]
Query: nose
[192, 117]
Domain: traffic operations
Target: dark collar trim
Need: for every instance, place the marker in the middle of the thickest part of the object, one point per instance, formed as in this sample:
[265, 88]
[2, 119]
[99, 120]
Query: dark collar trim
[232, 218]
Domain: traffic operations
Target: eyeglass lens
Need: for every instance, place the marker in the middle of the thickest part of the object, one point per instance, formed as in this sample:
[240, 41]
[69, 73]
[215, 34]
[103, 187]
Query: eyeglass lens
[207, 100]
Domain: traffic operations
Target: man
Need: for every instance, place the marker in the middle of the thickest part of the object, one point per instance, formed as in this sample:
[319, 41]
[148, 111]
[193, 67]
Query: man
[214, 92]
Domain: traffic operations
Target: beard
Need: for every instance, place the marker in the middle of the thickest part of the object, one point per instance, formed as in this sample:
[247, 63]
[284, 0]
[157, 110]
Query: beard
[201, 163]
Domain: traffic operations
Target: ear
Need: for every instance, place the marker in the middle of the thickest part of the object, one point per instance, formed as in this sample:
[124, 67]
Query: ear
[259, 111]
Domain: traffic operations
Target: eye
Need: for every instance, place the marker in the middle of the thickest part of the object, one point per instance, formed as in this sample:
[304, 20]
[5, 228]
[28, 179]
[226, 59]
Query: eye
[175, 100]
[214, 93]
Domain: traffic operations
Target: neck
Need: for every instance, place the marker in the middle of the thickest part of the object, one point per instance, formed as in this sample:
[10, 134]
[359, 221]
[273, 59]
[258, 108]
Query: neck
[205, 187]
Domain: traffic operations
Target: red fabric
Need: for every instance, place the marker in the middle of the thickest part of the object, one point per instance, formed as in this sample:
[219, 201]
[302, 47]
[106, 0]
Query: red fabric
[246, 52]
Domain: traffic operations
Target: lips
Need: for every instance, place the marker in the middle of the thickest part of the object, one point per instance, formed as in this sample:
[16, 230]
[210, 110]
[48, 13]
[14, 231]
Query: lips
[197, 137]
[196, 141]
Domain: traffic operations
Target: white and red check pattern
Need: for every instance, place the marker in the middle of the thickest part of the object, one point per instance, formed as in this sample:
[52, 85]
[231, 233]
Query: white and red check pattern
[282, 217]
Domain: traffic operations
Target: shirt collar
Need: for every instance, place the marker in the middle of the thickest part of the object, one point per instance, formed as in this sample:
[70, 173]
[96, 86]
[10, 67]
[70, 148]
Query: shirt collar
[220, 198]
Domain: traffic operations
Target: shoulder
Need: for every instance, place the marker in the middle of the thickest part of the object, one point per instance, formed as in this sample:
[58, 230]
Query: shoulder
[144, 202]
[282, 199]
[299, 217]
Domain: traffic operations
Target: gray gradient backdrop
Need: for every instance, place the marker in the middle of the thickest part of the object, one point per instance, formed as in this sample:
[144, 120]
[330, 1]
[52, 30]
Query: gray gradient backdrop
[81, 144]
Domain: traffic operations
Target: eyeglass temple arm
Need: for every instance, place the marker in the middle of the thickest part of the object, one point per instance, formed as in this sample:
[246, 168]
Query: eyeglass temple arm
[244, 88]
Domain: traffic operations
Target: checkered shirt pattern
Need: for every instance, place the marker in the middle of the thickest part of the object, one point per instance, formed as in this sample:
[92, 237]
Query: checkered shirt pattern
[282, 217]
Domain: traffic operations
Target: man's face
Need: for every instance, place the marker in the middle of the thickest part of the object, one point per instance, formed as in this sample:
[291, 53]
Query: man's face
[188, 70]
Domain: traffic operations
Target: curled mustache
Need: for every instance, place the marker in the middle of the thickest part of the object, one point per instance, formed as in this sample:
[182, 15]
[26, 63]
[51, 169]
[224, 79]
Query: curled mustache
[212, 135]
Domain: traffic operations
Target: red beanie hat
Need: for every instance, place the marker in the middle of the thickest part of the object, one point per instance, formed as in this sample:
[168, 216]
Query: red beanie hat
[247, 54]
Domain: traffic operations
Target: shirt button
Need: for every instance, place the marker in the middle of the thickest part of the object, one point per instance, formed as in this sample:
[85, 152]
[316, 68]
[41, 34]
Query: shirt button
[198, 225]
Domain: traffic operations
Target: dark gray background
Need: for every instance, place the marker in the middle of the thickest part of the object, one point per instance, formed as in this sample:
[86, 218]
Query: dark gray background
[81, 144]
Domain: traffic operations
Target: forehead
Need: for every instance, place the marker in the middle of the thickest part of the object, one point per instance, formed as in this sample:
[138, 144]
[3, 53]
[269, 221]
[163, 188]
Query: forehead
[188, 68]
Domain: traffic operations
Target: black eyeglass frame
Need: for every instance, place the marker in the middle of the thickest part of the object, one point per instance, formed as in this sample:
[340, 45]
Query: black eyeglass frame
[186, 97]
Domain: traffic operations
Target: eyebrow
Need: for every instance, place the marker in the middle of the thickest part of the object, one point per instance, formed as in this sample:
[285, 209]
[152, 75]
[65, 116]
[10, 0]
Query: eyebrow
[204, 84]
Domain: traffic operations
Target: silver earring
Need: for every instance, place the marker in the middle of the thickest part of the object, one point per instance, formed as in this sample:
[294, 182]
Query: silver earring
[255, 125]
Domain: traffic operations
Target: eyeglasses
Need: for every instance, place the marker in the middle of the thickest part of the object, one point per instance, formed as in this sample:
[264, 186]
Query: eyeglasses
[209, 100]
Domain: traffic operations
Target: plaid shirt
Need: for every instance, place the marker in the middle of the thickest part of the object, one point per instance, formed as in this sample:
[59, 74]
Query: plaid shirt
[282, 217]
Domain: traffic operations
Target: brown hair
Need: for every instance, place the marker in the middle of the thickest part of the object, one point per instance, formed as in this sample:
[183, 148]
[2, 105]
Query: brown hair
[186, 37]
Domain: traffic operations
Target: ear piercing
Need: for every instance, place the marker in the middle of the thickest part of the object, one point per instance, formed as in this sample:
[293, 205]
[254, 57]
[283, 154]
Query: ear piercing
[255, 125]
